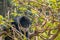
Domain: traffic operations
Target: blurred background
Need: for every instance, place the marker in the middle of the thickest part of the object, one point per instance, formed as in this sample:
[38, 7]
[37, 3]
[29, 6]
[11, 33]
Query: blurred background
[44, 15]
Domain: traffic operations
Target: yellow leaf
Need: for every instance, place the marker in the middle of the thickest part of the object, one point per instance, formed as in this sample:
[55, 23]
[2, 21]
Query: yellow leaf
[22, 8]
[53, 1]
[2, 22]
[14, 14]
[15, 0]
[1, 17]
[54, 6]
[11, 20]
[16, 4]
[33, 11]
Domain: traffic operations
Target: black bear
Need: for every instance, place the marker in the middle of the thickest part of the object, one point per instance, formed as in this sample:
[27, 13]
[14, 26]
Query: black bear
[24, 21]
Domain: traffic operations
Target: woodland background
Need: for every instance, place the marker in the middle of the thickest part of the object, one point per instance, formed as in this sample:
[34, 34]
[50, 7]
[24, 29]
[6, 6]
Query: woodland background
[45, 16]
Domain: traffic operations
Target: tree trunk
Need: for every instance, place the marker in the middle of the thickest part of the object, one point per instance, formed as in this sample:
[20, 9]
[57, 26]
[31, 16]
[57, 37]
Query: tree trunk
[3, 7]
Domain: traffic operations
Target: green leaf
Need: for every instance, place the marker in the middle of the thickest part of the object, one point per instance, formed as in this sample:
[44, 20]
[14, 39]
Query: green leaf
[58, 37]
[40, 20]
[53, 31]
[23, 8]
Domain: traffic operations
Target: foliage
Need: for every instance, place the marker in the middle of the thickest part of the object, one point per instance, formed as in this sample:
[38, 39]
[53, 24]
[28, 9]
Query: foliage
[44, 14]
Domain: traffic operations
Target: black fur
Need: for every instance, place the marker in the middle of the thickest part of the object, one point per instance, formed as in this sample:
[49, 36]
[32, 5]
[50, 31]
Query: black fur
[24, 21]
